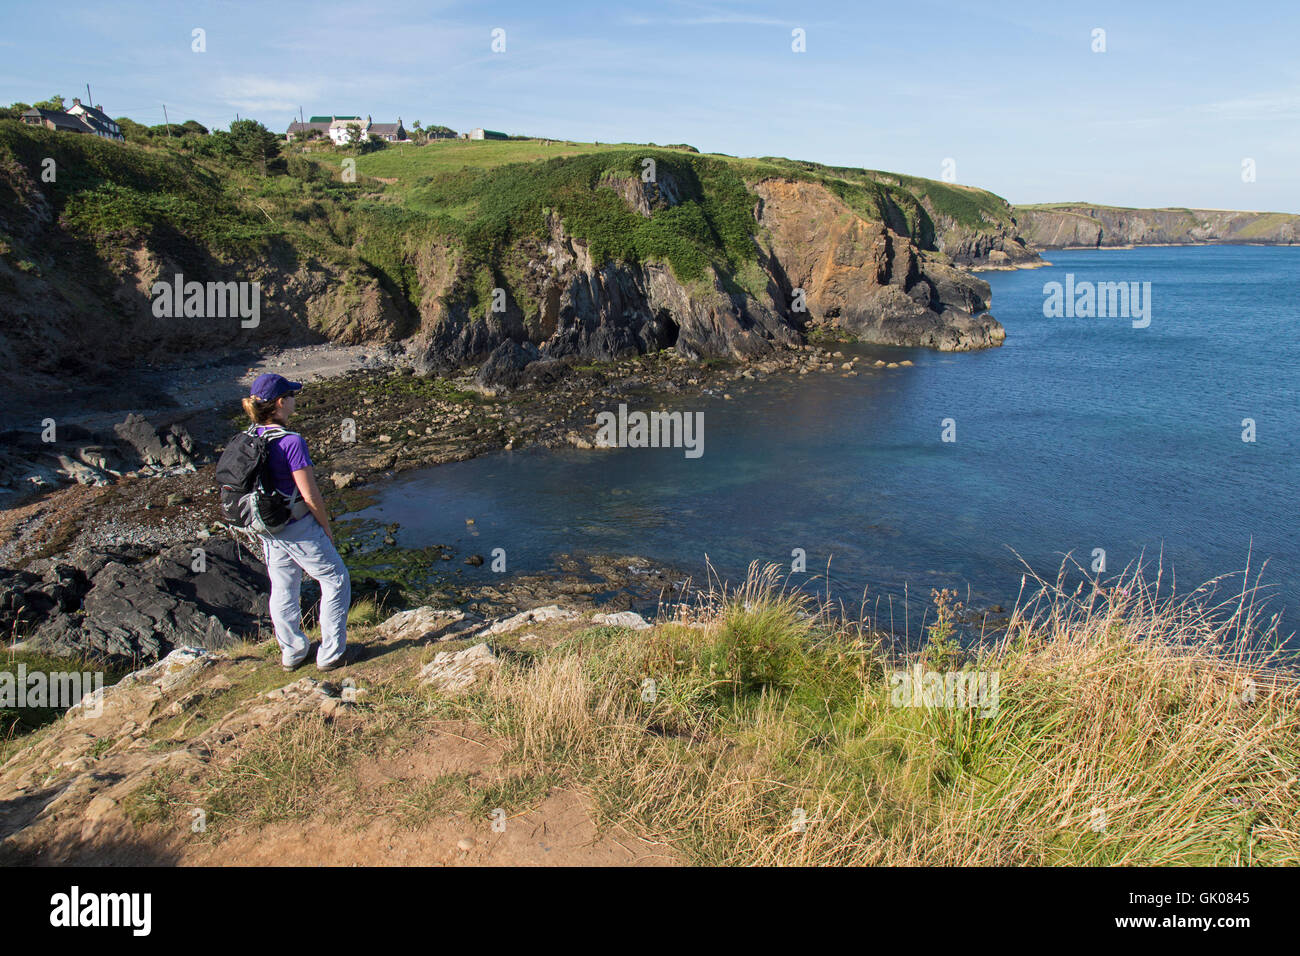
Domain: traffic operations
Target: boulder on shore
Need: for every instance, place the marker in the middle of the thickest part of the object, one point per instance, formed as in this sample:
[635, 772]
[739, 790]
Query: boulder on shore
[104, 602]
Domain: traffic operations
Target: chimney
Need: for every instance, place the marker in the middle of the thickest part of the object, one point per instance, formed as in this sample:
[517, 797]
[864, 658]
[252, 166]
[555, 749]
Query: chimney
[76, 101]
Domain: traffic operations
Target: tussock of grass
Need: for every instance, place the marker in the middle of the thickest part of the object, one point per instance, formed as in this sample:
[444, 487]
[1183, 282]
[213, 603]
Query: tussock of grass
[1128, 729]
[364, 612]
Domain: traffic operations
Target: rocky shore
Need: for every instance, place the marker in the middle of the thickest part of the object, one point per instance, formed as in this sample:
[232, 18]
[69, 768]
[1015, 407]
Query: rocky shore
[99, 554]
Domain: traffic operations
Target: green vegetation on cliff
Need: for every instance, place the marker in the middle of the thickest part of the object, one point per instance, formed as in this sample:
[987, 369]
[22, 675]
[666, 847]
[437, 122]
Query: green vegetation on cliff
[367, 242]
[478, 196]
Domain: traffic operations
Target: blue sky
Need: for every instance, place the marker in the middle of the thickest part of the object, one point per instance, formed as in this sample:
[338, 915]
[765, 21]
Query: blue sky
[1011, 91]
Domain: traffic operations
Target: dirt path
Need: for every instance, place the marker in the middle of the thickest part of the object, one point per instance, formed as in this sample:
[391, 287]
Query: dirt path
[224, 759]
[557, 831]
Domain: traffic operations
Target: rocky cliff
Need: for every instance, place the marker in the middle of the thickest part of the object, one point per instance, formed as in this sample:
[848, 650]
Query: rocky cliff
[818, 263]
[79, 257]
[573, 259]
[1070, 225]
[862, 276]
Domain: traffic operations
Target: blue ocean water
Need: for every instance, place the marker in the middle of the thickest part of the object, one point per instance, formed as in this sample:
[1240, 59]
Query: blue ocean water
[1078, 434]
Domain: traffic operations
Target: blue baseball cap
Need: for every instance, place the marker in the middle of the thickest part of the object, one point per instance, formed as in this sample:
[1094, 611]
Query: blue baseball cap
[269, 386]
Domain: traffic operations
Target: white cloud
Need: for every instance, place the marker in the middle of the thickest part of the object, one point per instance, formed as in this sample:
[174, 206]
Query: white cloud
[259, 93]
[1258, 106]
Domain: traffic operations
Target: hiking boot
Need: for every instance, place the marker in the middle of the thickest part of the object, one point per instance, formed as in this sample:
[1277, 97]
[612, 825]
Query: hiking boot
[293, 667]
[351, 654]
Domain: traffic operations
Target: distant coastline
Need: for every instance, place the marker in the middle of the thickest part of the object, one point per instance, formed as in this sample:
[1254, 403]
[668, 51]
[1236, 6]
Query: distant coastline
[1089, 226]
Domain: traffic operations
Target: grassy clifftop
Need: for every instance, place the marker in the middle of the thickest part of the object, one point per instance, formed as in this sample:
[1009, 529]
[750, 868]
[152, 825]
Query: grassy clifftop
[480, 195]
[359, 245]
[926, 210]
[1103, 727]
[111, 194]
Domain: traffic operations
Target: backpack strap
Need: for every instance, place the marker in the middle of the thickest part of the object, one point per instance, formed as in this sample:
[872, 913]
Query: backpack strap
[272, 432]
[298, 507]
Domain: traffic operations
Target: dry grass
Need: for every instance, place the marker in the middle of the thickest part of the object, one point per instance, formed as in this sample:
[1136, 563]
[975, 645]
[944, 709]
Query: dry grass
[1129, 729]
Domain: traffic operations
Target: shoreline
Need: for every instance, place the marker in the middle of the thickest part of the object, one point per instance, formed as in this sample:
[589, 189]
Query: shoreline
[403, 423]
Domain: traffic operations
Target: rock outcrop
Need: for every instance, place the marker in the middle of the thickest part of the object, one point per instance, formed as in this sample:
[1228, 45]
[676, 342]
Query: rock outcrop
[451, 671]
[590, 311]
[990, 248]
[866, 278]
[856, 274]
[88, 457]
[426, 623]
[105, 603]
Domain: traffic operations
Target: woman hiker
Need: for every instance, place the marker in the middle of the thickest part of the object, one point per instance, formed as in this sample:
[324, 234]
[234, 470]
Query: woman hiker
[305, 543]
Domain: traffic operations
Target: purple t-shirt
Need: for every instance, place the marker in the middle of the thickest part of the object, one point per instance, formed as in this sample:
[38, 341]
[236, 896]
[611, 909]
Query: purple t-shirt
[285, 456]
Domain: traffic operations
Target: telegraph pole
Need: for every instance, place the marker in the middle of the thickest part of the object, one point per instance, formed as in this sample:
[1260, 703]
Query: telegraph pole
[167, 121]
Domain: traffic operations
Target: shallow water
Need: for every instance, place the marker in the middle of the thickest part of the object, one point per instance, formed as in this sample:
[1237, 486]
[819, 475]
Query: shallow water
[1077, 434]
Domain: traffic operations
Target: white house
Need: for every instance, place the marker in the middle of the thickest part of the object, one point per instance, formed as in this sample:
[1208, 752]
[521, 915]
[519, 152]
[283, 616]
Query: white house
[338, 129]
[340, 135]
[79, 119]
[98, 121]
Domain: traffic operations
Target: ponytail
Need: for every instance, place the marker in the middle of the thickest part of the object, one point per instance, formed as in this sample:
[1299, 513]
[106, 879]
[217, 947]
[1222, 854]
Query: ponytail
[258, 411]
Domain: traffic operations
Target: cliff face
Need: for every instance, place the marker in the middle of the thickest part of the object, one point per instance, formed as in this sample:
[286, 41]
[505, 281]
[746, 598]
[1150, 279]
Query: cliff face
[972, 227]
[1065, 225]
[855, 274]
[996, 246]
[72, 303]
[862, 276]
[575, 258]
[599, 311]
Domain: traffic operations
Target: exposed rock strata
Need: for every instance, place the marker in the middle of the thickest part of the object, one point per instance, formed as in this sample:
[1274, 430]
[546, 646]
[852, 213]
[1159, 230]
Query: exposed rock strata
[866, 278]
[856, 274]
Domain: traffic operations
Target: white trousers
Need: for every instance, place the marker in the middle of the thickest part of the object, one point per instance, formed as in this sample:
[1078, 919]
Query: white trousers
[303, 546]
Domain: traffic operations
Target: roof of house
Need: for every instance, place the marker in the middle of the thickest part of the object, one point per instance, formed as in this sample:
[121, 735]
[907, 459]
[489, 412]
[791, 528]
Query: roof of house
[327, 119]
[382, 128]
[93, 113]
[60, 119]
